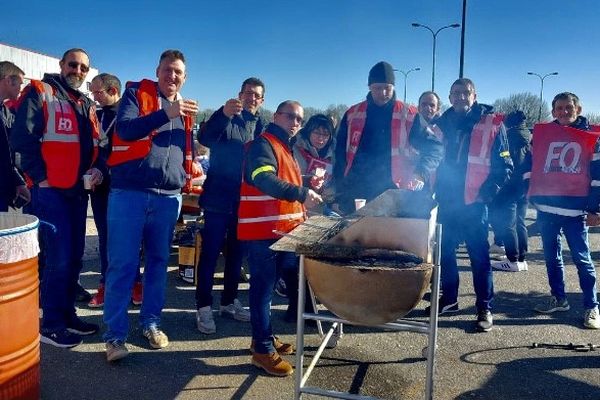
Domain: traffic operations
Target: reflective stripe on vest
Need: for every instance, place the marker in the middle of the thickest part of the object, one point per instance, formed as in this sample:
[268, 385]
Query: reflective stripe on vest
[259, 214]
[483, 136]
[402, 154]
[60, 146]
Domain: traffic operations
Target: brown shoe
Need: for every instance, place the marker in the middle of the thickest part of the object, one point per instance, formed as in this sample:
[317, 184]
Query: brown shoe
[272, 363]
[284, 349]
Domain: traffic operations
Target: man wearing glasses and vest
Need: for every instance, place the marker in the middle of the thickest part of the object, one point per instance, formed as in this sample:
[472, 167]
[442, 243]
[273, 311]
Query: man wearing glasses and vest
[272, 203]
[56, 137]
[476, 165]
[148, 163]
[378, 149]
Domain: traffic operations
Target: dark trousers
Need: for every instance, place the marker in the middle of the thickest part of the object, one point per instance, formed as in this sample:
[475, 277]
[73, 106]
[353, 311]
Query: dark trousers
[219, 228]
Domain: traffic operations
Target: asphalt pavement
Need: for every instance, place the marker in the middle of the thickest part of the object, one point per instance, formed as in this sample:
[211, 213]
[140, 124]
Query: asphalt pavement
[501, 364]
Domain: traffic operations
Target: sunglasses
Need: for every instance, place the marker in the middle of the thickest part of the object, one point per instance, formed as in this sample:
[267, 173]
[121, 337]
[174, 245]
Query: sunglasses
[75, 64]
[292, 116]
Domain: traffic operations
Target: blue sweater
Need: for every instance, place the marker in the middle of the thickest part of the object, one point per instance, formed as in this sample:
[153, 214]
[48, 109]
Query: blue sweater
[161, 171]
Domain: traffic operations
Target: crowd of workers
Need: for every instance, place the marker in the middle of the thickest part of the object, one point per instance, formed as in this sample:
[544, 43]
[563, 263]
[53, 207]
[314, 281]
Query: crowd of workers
[133, 157]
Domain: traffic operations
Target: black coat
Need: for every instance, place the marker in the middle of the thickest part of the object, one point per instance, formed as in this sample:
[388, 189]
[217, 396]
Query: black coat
[9, 176]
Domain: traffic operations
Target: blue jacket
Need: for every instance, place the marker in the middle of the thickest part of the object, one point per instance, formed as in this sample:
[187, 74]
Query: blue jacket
[161, 171]
[226, 139]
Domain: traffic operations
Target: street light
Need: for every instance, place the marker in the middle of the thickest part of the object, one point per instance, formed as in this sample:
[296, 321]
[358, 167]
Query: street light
[406, 76]
[542, 89]
[417, 25]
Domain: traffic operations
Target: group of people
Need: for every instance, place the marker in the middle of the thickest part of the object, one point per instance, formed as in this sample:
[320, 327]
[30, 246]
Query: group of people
[263, 178]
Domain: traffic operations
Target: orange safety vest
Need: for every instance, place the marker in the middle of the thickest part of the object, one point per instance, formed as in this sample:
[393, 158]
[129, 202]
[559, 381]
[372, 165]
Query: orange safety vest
[259, 215]
[60, 140]
[124, 150]
[402, 153]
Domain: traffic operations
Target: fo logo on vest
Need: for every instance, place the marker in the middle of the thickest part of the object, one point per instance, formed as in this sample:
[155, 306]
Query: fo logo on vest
[568, 155]
[64, 125]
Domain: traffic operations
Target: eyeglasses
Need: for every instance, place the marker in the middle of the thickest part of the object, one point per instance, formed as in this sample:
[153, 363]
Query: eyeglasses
[75, 64]
[253, 94]
[292, 116]
[97, 92]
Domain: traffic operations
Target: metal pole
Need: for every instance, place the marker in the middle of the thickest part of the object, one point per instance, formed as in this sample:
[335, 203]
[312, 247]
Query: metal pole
[433, 64]
[541, 89]
[434, 34]
[462, 39]
[405, 74]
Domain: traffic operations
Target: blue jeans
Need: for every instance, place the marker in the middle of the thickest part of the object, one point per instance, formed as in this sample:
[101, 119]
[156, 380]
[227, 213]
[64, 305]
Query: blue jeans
[136, 217]
[218, 227]
[63, 251]
[99, 200]
[468, 223]
[264, 264]
[576, 233]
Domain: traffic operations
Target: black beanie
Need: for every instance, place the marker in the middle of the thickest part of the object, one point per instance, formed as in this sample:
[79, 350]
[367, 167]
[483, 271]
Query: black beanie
[382, 72]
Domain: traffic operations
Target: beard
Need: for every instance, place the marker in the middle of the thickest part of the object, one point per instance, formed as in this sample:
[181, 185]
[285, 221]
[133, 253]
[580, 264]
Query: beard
[74, 81]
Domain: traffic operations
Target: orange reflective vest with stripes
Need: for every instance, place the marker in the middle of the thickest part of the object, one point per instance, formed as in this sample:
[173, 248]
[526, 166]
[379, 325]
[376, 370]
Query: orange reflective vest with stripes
[60, 146]
[260, 216]
[123, 150]
[402, 153]
[479, 160]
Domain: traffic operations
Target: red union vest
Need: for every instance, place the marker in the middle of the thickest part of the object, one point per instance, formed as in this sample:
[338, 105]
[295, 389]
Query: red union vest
[403, 155]
[60, 140]
[123, 150]
[561, 157]
[260, 214]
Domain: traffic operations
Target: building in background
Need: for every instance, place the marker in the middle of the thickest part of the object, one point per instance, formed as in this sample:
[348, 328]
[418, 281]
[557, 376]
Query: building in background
[37, 64]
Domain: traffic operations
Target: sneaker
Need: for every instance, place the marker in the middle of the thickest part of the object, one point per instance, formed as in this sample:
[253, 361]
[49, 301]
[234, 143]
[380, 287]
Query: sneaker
[509, 266]
[280, 288]
[552, 305]
[284, 349]
[523, 265]
[137, 293]
[82, 295]
[236, 311]
[272, 363]
[591, 319]
[485, 321]
[98, 300]
[63, 339]
[81, 327]
[116, 350]
[444, 308]
[497, 249]
[205, 321]
[157, 338]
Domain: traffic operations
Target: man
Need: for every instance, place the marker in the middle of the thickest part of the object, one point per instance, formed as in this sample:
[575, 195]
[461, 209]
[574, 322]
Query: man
[272, 202]
[56, 136]
[564, 185]
[476, 165]
[225, 133]
[429, 106]
[376, 149]
[147, 174]
[13, 191]
[106, 89]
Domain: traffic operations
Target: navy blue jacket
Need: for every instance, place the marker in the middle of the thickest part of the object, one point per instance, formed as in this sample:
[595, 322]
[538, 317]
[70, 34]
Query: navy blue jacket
[452, 172]
[161, 171]
[226, 138]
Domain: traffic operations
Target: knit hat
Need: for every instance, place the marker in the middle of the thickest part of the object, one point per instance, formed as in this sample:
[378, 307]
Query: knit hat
[382, 72]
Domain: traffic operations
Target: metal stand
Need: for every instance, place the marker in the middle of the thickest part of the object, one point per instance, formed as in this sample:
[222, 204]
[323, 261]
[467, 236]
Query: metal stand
[428, 328]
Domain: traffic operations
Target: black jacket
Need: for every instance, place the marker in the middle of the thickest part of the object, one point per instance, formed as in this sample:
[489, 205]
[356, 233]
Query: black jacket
[452, 172]
[30, 125]
[9, 176]
[519, 142]
[371, 172]
[261, 154]
[226, 139]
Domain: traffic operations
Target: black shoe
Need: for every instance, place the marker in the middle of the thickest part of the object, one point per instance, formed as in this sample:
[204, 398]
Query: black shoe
[82, 328]
[444, 307]
[82, 295]
[63, 339]
[485, 321]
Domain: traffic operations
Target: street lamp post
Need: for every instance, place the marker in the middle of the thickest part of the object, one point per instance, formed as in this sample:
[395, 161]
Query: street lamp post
[417, 25]
[542, 89]
[406, 76]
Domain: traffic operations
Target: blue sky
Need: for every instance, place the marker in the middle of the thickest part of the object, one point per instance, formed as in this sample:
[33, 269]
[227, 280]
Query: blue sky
[320, 51]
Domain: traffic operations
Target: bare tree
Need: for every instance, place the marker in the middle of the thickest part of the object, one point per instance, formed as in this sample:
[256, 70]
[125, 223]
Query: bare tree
[527, 102]
[593, 118]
